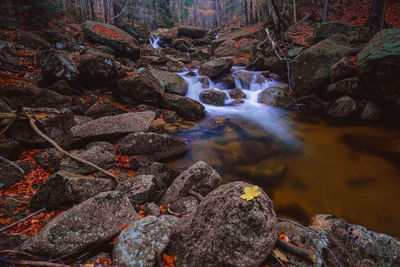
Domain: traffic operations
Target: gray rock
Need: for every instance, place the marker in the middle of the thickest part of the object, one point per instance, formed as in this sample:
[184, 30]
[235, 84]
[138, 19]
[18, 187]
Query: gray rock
[152, 209]
[343, 107]
[32, 40]
[141, 189]
[247, 78]
[91, 223]
[200, 178]
[276, 97]
[185, 107]
[347, 86]
[275, 65]
[171, 82]
[226, 230]
[155, 146]
[10, 173]
[164, 175]
[213, 97]
[343, 69]
[191, 32]
[371, 112]
[311, 101]
[137, 244]
[216, 67]
[10, 150]
[112, 127]
[62, 87]
[184, 205]
[49, 158]
[103, 109]
[104, 145]
[64, 189]
[355, 33]
[57, 65]
[237, 93]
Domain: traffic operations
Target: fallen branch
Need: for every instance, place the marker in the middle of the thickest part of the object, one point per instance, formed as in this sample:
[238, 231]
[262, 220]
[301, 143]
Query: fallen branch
[20, 221]
[63, 152]
[39, 263]
[304, 254]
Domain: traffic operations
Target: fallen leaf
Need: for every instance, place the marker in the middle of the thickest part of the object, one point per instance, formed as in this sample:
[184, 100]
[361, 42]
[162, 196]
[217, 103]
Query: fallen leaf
[279, 254]
[250, 193]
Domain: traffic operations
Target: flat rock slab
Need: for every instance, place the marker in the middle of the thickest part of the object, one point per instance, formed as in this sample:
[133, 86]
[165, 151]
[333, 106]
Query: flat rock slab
[112, 127]
[88, 224]
[136, 245]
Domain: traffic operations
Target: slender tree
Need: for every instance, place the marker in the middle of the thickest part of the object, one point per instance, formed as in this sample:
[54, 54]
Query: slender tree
[376, 20]
[325, 11]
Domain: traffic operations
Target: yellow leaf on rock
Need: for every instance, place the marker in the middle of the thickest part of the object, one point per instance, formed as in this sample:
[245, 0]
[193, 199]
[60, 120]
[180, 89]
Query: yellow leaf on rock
[279, 254]
[250, 193]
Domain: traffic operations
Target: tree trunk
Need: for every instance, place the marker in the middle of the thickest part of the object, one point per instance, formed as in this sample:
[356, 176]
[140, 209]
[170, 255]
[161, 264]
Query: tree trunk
[245, 12]
[376, 20]
[325, 11]
[251, 12]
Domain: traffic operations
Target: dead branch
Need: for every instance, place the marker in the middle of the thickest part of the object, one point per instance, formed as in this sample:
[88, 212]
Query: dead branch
[39, 263]
[304, 254]
[20, 221]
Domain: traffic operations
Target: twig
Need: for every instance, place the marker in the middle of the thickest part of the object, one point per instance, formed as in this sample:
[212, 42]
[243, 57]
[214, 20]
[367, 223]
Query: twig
[196, 194]
[14, 252]
[277, 259]
[272, 44]
[18, 222]
[39, 263]
[62, 151]
[12, 164]
[296, 250]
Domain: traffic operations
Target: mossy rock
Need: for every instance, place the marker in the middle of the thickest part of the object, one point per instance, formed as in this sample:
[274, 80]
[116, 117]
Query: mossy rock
[356, 34]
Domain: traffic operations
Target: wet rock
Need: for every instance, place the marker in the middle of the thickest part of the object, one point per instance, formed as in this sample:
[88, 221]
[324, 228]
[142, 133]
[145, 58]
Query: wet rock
[171, 82]
[11, 241]
[343, 69]
[32, 40]
[247, 78]
[103, 108]
[170, 116]
[62, 87]
[237, 93]
[112, 127]
[98, 70]
[311, 101]
[155, 146]
[226, 230]
[276, 97]
[97, 155]
[226, 80]
[10, 150]
[164, 175]
[343, 107]
[347, 86]
[56, 125]
[65, 189]
[378, 69]
[91, 223]
[185, 107]
[200, 178]
[184, 205]
[275, 65]
[359, 244]
[34, 77]
[140, 189]
[121, 40]
[57, 65]
[213, 97]
[216, 67]
[356, 34]
[371, 112]
[232, 47]
[311, 69]
[191, 32]
[10, 173]
[137, 244]
[141, 87]
[139, 33]
[49, 158]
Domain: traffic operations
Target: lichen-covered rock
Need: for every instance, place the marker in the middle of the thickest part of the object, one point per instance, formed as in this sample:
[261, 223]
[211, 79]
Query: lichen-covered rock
[356, 34]
[10, 173]
[49, 158]
[164, 175]
[378, 68]
[200, 178]
[184, 205]
[184, 106]
[139, 244]
[112, 127]
[343, 107]
[91, 223]
[57, 65]
[112, 36]
[155, 146]
[171, 82]
[140, 189]
[345, 68]
[347, 86]
[10, 150]
[216, 67]
[103, 108]
[226, 230]
[212, 97]
[312, 67]
[276, 97]
[65, 189]
[191, 32]
[247, 78]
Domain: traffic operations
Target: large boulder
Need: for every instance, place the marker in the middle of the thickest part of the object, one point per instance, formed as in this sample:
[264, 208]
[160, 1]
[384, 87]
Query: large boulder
[276, 65]
[139, 244]
[191, 32]
[234, 48]
[213, 97]
[113, 127]
[32, 40]
[378, 67]
[57, 65]
[10, 150]
[140, 189]
[312, 67]
[226, 230]
[156, 146]
[141, 87]
[276, 97]
[91, 223]
[59, 39]
[64, 189]
[184, 106]
[171, 82]
[103, 108]
[343, 69]
[200, 178]
[356, 34]
[112, 36]
[343, 107]
[216, 67]
[10, 173]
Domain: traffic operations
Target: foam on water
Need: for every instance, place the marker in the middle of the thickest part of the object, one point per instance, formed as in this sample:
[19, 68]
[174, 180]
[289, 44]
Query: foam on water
[155, 42]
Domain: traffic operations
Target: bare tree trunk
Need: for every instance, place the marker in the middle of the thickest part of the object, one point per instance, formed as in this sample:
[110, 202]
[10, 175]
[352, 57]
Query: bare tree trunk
[245, 12]
[325, 11]
[376, 19]
[251, 12]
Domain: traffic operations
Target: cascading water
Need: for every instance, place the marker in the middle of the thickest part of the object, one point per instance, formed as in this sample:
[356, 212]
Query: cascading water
[272, 119]
[155, 42]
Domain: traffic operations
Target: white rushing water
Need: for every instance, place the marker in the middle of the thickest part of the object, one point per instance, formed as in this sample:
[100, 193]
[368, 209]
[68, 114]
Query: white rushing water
[272, 119]
[155, 42]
